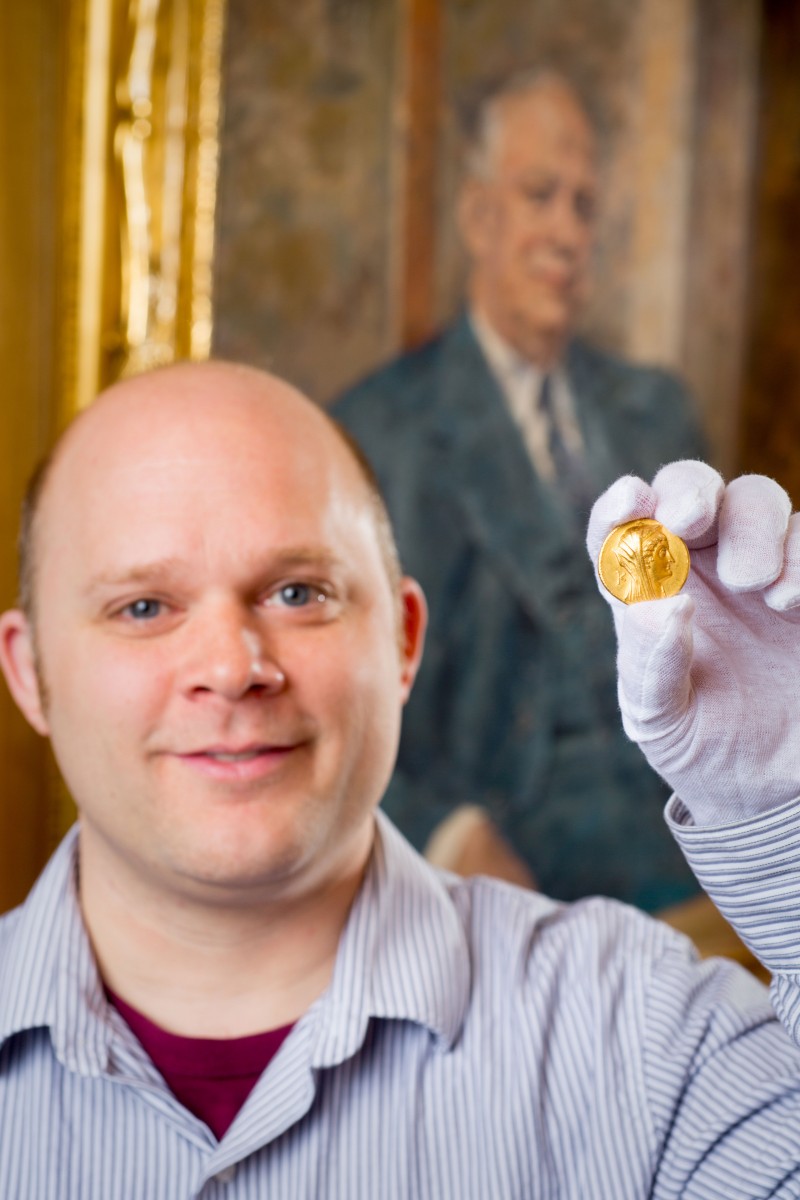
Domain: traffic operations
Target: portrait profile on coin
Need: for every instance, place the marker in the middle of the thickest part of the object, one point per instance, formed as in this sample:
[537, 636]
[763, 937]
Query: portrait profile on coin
[642, 560]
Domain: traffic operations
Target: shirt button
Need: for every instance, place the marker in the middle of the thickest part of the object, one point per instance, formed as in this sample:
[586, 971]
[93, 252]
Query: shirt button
[226, 1175]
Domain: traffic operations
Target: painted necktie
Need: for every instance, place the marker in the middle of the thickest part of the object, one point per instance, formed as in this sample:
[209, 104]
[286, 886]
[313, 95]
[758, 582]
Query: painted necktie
[569, 469]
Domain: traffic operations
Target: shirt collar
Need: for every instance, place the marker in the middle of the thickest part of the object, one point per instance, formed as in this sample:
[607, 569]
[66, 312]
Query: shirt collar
[506, 363]
[50, 974]
[403, 955]
[520, 383]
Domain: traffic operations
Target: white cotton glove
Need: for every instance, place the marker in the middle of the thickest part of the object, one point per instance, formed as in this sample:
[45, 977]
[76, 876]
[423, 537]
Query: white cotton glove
[709, 680]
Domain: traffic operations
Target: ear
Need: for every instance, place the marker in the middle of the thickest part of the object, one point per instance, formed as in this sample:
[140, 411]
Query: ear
[414, 611]
[18, 663]
[476, 216]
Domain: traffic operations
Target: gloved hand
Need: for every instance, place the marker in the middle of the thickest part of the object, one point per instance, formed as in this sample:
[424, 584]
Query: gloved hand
[709, 680]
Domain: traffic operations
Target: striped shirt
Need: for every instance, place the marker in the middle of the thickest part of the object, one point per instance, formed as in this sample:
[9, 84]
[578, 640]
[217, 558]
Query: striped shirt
[477, 1042]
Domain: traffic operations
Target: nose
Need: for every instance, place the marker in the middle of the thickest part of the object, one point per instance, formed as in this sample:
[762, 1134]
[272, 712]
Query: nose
[228, 656]
[569, 229]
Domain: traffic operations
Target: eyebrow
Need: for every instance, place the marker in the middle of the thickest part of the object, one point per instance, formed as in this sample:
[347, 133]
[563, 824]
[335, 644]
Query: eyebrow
[145, 572]
[164, 569]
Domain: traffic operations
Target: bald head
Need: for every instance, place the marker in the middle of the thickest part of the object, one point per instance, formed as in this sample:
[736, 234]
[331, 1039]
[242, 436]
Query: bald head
[150, 413]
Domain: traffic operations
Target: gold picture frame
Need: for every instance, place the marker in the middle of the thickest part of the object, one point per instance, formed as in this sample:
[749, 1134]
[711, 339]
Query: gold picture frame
[141, 147]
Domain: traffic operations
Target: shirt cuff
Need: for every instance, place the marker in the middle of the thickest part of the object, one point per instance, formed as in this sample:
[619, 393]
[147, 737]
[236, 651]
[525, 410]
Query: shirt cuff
[751, 870]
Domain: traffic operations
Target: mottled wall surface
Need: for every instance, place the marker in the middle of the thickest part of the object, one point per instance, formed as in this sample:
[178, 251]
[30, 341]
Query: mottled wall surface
[770, 438]
[725, 173]
[301, 281]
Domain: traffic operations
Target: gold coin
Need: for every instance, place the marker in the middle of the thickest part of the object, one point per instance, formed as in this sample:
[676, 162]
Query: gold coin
[643, 560]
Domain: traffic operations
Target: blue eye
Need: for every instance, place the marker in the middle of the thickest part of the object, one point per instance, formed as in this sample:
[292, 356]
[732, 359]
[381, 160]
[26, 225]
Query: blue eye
[307, 597]
[143, 610]
[295, 595]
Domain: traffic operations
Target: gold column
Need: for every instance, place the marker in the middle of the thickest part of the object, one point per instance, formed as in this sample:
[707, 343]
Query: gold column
[143, 103]
[29, 52]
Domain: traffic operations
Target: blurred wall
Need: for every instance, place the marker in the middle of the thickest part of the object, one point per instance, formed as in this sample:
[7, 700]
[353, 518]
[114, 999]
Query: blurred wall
[29, 79]
[770, 429]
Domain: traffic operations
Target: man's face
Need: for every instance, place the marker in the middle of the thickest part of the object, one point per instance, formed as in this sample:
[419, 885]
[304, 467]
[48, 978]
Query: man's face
[529, 225]
[218, 636]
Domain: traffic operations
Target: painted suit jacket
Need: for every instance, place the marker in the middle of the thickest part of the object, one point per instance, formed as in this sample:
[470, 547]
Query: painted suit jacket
[515, 705]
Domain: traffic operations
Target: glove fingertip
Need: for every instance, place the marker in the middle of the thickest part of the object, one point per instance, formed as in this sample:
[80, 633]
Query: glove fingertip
[629, 497]
[753, 526]
[783, 595]
[689, 496]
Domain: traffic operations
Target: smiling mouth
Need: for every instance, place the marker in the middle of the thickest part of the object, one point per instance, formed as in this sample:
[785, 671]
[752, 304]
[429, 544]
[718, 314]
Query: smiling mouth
[241, 755]
[231, 766]
[222, 753]
[557, 281]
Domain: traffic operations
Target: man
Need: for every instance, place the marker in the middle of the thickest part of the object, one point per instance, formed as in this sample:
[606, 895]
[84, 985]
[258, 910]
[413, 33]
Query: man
[233, 979]
[490, 444]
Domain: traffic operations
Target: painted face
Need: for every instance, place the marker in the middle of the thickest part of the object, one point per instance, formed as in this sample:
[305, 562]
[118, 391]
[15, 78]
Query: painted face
[218, 636]
[529, 226]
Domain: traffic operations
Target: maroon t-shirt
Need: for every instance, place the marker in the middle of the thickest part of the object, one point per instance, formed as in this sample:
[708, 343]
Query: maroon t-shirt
[212, 1077]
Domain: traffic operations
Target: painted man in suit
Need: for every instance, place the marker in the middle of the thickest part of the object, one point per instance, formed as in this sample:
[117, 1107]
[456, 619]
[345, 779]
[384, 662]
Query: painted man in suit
[491, 442]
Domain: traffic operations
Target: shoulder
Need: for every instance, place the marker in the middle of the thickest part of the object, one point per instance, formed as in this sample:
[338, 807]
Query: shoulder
[601, 974]
[19, 958]
[651, 403]
[583, 944]
[408, 393]
[406, 378]
[8, 925]
[32, 936]
[585, 360]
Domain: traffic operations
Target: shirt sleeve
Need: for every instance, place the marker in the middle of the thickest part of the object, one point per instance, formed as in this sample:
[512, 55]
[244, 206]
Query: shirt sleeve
[751, 870]
[722, 1084]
